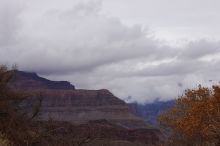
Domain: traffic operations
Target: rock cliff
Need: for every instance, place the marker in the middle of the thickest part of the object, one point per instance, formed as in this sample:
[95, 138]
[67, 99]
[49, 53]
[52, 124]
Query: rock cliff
[62, 102]
[31, 81]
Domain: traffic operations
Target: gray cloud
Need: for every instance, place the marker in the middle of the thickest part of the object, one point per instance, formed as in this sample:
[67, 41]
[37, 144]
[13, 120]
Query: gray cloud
[9, 18]
[205, 48]
[93, 50]
[173, 20]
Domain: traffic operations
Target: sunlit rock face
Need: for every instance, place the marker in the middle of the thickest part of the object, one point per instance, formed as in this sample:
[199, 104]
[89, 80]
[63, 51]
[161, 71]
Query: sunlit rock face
[62, 102]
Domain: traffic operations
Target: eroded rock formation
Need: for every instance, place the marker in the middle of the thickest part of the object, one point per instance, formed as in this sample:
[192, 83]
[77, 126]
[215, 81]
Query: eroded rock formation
[62, 102]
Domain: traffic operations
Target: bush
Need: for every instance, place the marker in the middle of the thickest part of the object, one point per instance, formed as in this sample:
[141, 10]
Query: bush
[14, 120]
[195, 118]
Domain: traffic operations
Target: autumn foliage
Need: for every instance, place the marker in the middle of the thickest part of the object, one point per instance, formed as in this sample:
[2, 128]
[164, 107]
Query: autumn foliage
[195, 119]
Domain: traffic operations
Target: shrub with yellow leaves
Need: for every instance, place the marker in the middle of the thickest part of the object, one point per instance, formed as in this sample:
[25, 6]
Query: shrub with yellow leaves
[195, 118]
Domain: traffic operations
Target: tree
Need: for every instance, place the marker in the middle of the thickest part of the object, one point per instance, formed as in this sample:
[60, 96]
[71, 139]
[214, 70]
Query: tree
[14, 120]
[17, 127]
[195, 118]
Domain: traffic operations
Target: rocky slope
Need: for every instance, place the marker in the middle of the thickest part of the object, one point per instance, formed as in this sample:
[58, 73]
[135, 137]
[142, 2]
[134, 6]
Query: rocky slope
[62, 102]
[96, 133]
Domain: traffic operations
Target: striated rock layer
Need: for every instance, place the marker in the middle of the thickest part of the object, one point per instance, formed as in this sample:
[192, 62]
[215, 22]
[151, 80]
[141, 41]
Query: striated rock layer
[62, 102]
[80, 106]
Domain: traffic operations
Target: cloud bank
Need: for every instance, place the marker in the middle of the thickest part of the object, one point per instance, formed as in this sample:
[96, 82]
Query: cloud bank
[92, 50]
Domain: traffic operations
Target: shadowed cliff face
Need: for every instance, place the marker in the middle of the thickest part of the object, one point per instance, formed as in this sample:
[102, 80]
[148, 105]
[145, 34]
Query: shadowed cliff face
[31, 81]
[62, 102]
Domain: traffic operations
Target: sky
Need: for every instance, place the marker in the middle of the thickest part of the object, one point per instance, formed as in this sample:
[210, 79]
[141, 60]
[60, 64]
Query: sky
[141, 50]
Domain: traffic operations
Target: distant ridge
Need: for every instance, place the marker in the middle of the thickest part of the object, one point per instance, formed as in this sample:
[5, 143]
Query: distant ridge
[151, 111]
[30, 80]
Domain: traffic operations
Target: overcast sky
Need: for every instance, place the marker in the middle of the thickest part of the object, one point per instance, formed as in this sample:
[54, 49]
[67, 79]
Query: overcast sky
[140, 50]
